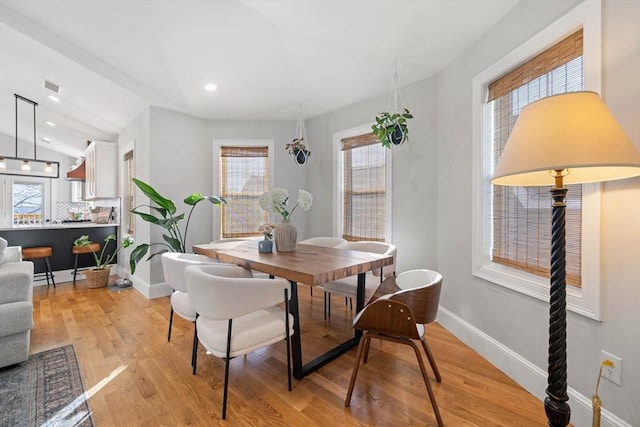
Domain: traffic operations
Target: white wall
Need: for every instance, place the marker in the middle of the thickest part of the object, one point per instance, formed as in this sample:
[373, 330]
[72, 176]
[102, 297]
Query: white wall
[518, 322]
[414, 167]
[174, 154]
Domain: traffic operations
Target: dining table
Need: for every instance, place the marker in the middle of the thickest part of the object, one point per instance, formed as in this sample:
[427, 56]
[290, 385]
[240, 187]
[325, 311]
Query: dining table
[310, 265]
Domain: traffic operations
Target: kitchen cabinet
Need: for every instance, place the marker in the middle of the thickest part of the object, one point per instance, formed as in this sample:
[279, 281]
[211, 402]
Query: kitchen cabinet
[101, 170]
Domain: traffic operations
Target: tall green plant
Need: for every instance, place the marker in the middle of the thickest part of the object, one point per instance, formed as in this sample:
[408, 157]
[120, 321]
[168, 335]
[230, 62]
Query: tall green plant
[163, 213]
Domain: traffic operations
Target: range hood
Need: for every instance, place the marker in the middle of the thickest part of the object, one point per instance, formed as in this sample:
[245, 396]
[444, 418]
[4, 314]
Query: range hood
[77, 172]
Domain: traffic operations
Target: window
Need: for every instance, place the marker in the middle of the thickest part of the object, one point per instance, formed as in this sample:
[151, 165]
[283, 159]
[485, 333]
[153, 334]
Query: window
[512, 225]
[244, 176]
[28, 202]
[364, 211]
[522, 215]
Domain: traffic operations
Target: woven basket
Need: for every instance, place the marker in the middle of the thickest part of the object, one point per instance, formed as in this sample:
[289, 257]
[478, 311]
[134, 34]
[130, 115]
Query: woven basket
[97, 278]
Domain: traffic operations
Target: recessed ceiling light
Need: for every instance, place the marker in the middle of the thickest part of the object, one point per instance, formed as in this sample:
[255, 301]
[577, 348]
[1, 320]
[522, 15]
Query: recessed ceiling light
[45, 139]
[210, 87]
[54, 98]
[50, 123]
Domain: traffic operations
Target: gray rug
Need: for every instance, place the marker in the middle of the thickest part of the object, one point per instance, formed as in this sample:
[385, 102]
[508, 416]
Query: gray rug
[46, 390]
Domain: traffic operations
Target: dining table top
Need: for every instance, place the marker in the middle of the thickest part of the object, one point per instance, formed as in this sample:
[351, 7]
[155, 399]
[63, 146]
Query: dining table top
[308, 264]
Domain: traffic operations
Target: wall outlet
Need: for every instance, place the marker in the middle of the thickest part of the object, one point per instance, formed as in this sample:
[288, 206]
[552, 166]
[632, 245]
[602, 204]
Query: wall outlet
[612, 373]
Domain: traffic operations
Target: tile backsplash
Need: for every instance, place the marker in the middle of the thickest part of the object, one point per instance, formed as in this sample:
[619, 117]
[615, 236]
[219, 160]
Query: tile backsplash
[82, 210]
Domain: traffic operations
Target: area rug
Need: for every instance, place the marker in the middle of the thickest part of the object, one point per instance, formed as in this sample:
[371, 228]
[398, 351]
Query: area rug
[46, 390]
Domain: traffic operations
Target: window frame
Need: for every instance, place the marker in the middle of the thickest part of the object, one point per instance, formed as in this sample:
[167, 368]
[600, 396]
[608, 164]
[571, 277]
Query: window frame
[217, 145]
[584, 300]
[338, 181]
[47, 196]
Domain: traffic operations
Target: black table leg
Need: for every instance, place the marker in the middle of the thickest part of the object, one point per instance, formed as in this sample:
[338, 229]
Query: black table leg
[300, 371]
[296, 345]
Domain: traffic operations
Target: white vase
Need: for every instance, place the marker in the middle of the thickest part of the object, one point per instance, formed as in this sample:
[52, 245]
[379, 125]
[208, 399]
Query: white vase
[285, 235]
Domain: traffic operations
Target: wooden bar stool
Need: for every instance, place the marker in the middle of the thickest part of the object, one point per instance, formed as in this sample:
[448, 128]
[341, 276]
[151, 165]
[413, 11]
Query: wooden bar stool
[77, 250]
[40, 252]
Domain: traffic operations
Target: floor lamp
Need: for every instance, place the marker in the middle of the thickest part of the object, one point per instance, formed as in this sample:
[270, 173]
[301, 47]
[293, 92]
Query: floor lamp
[570, 138]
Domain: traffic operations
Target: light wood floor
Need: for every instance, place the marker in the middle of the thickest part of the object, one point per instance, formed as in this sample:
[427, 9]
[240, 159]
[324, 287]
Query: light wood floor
[120, 339]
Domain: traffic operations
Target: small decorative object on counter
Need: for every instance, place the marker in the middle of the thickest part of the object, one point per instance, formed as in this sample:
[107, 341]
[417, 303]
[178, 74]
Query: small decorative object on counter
[266, 245]
[285, 234]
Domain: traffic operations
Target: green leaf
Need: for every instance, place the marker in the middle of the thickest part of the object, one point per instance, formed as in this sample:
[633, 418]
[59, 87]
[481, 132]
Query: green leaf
[219, 200]
[175, 244]
[136, 255]
[193, 199]
[154, 196]
[147, 217]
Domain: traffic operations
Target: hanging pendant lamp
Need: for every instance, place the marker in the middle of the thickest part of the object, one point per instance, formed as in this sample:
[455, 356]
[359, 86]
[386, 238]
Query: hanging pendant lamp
[22, 166]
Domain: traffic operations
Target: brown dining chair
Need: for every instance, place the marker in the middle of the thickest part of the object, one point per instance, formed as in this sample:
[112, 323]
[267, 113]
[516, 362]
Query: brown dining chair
[400, 318]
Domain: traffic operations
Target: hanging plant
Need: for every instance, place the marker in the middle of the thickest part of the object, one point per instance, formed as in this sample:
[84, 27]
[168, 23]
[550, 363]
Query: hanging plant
[299, 146]
[391, 128]
[298, 149]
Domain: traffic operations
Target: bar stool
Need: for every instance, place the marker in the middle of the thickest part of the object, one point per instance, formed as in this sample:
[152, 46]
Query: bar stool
[40, 252]
[77, 250]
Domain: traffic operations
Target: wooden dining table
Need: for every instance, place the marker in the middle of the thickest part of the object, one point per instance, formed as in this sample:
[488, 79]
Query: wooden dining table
[310, 265]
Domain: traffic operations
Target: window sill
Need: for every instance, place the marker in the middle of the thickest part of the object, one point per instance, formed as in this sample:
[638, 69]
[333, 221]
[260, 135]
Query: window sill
[578, 301]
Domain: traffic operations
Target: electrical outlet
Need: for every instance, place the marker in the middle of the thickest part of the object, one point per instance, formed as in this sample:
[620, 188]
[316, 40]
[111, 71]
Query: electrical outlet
[612, 373]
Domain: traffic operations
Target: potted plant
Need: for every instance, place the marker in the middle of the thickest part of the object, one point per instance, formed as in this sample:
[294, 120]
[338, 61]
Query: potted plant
[391, 128]
[298, 149]
[99, 276]
[163, 213]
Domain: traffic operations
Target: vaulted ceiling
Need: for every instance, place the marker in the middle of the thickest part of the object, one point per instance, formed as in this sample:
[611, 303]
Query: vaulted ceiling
[112, 59]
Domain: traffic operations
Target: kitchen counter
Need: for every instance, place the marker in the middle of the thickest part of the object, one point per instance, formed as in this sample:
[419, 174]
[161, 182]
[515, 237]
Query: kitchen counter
[56, 226]
[60, 238]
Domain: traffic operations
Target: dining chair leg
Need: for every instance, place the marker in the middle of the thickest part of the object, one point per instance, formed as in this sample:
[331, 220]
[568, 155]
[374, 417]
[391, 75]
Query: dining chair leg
[365, 358]
[423, 369]
[287, 336]
[194, 351]
[226, 371]
[365, 338]
[432, 360]
[170, 324]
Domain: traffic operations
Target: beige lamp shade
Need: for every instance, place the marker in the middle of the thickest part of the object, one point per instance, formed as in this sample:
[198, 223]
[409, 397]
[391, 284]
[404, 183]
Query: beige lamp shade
[573, 132]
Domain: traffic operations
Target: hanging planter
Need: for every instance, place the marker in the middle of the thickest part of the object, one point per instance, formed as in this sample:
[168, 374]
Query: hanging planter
[391, 126]
[298, 148]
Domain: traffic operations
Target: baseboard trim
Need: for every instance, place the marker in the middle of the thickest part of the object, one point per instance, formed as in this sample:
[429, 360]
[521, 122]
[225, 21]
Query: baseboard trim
[522, 371]
[151, 291]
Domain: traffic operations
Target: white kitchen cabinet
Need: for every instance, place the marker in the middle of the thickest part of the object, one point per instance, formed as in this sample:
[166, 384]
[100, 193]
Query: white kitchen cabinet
[101, 170]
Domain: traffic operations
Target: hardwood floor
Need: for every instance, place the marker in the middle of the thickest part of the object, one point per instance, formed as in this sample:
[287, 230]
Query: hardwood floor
[138, 378]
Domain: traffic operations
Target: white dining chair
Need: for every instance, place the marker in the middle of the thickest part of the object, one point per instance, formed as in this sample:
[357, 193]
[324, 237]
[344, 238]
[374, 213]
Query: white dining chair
[237, 314]
[173, 266]
[348, 286]
[326, 242]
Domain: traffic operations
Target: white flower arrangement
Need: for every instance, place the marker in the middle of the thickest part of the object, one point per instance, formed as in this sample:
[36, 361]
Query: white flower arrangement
[276, 200]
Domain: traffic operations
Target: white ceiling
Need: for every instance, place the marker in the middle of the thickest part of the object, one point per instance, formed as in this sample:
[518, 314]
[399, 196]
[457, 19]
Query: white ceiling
[115, 58]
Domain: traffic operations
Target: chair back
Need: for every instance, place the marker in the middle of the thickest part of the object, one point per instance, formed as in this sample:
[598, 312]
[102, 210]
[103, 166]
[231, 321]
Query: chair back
[327, 242]
[226, 291]
[421, 292]
[174, 264]
[377, 248]
[388, 317]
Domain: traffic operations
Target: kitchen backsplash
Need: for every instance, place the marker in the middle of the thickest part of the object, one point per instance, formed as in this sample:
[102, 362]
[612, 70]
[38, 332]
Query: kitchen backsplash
[82, 210]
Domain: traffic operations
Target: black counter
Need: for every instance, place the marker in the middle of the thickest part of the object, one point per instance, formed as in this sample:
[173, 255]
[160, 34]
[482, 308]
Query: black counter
[61, 239]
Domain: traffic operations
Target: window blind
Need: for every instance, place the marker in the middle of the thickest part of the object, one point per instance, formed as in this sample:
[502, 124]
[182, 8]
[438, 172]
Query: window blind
[364, 189]
[244, 176]
[522, 215]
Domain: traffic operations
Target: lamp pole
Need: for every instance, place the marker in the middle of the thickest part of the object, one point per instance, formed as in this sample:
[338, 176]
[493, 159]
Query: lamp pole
[555, 404]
